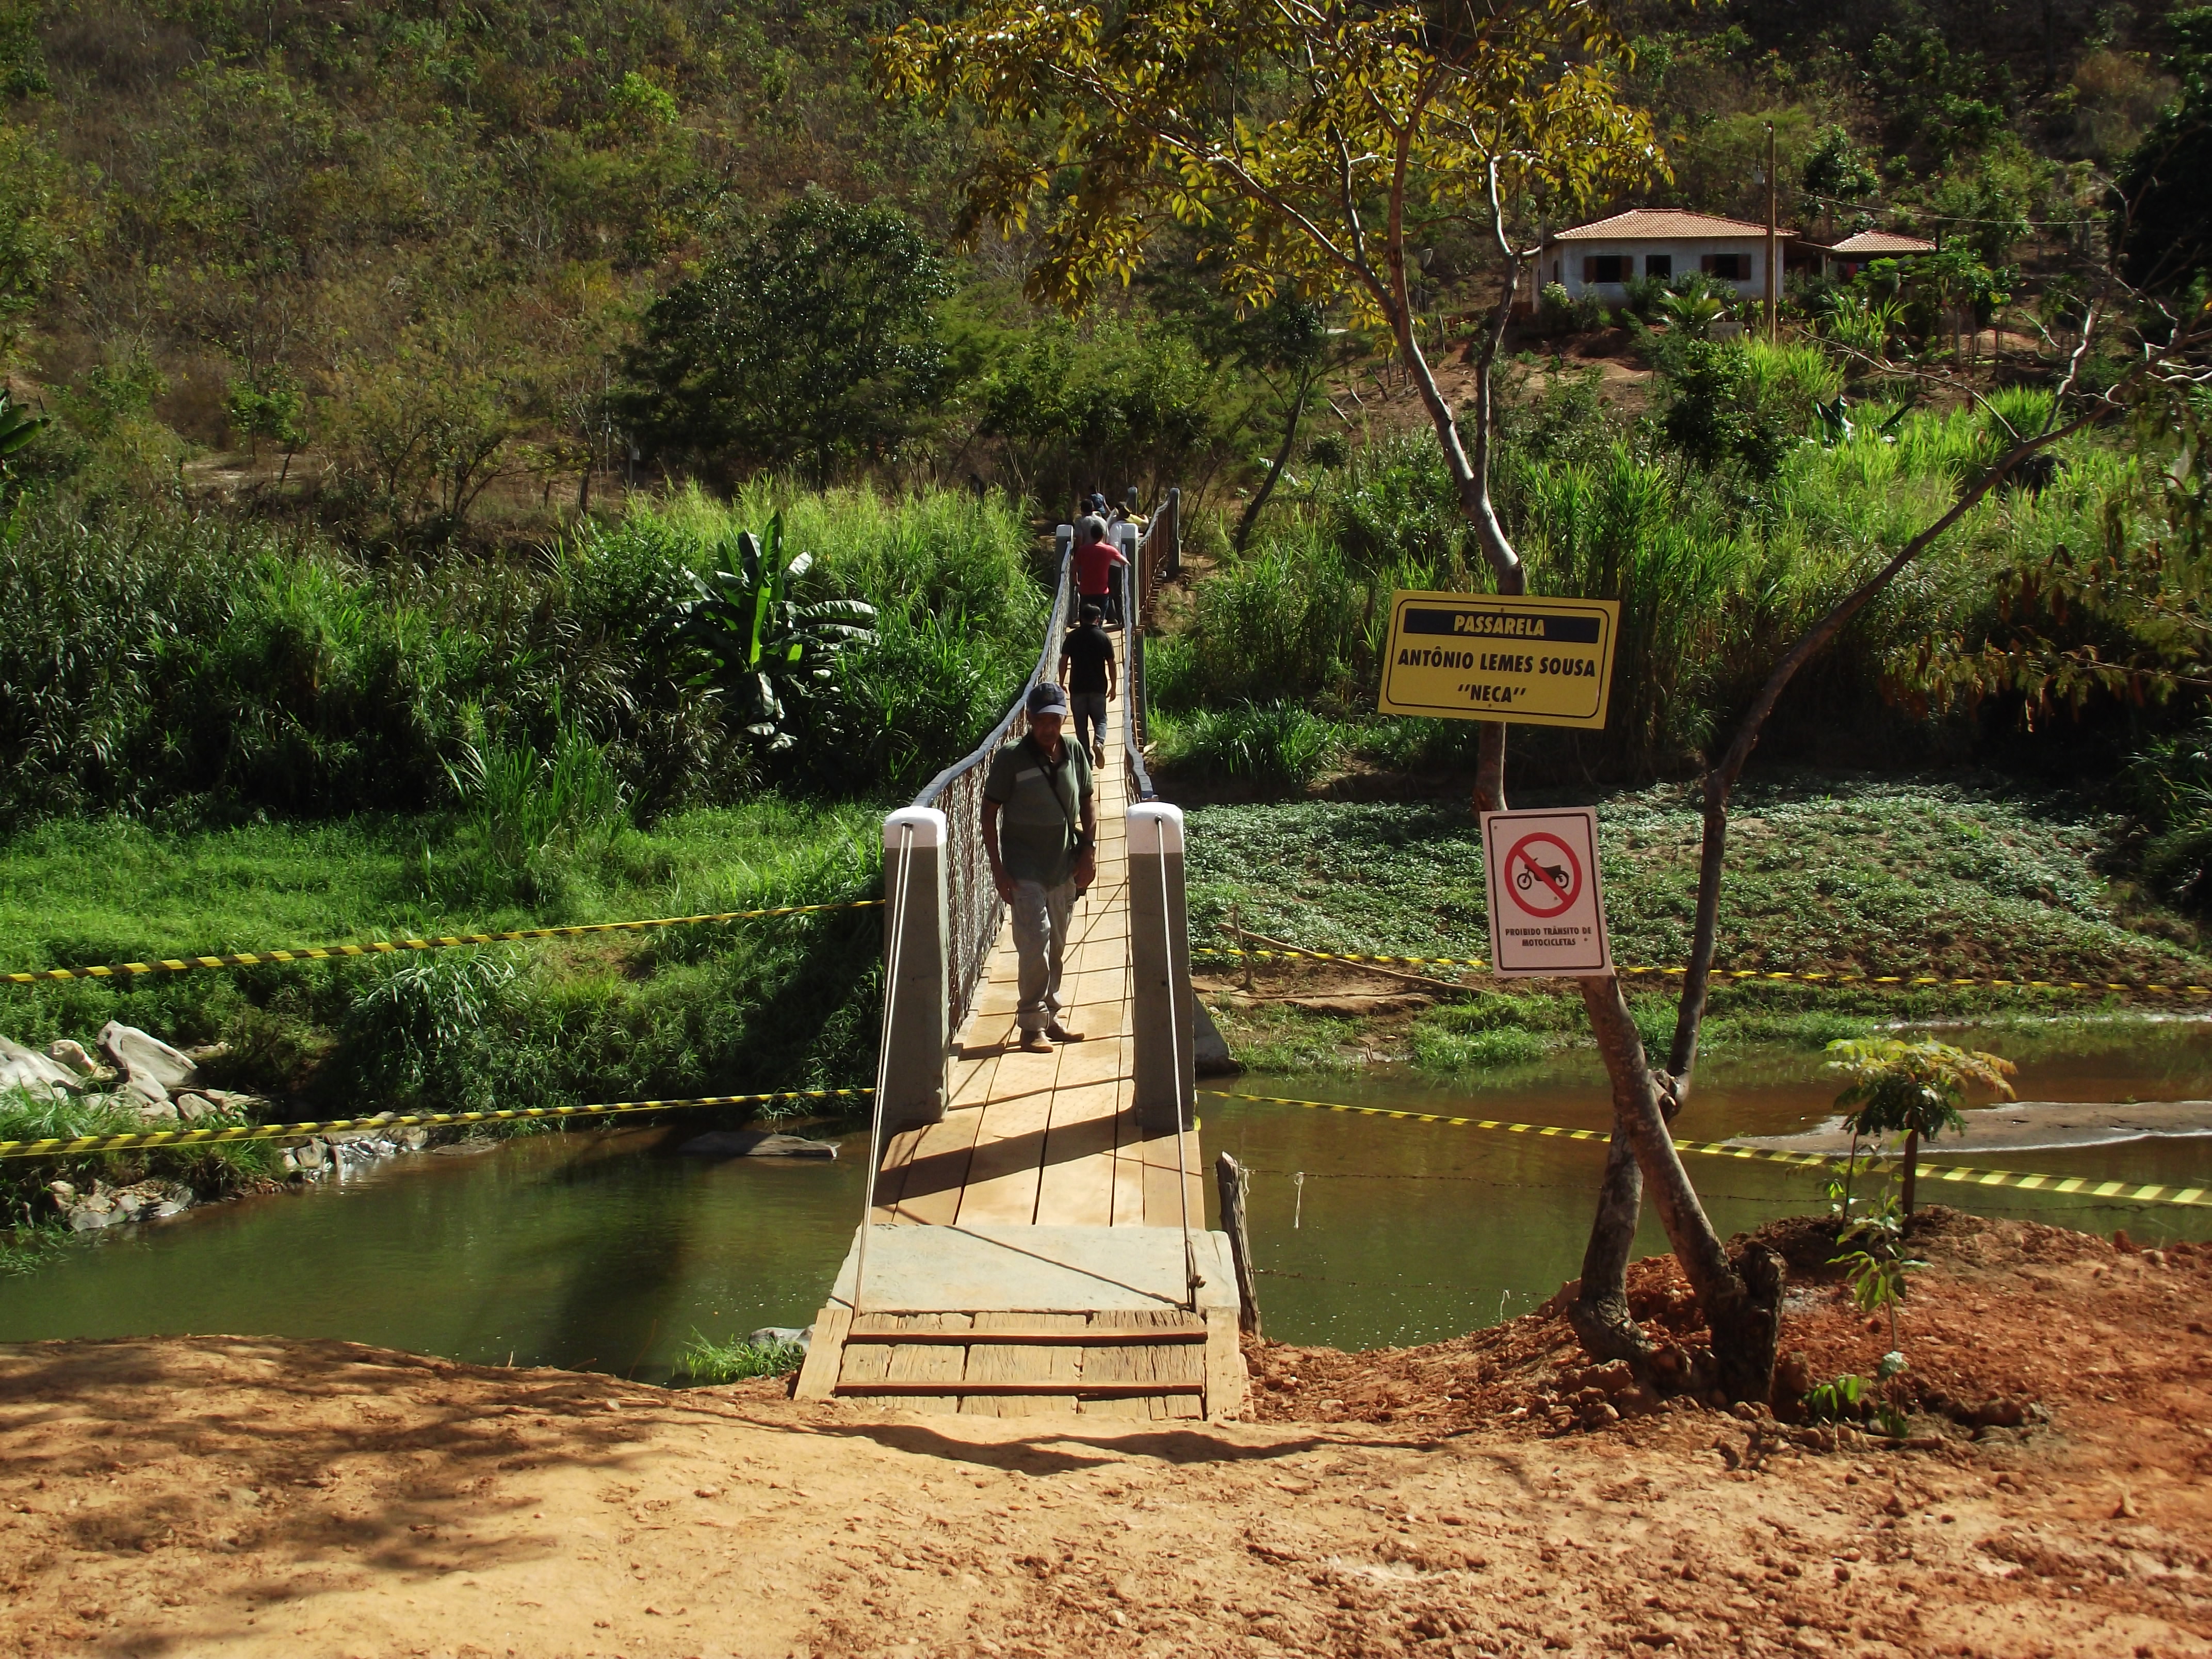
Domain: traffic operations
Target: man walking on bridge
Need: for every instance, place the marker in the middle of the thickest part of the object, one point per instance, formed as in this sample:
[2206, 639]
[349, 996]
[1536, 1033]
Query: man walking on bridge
[1087, 670]
[1096, 559]
[1040, 826]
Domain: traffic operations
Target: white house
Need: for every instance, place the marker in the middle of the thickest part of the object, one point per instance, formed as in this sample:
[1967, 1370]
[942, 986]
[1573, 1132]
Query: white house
[1850, 257]
[1601, 256]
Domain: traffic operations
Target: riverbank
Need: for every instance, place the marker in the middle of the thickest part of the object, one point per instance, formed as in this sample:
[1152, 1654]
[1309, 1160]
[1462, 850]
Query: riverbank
[313, 1497]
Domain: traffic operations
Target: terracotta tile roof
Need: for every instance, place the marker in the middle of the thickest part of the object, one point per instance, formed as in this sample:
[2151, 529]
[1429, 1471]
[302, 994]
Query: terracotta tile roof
[1881, 242]
[1662, 224]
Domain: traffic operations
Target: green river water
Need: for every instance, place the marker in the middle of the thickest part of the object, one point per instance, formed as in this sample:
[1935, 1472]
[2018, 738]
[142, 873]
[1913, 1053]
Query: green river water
[607, 1252]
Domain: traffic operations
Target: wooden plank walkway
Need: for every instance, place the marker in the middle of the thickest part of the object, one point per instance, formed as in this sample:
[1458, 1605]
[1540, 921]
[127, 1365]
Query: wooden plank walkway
[1049, 1139]
[1046, 1141]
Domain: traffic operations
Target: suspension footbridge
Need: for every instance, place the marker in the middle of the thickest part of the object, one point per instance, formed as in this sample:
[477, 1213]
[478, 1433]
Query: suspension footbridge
[1036, 1234]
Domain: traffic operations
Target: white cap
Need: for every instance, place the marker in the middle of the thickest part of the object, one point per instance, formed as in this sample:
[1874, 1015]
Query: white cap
[1154, 827]
[925, 824]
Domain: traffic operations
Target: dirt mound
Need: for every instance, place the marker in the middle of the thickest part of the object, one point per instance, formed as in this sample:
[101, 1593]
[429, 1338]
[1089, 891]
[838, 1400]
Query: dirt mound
[1989, 1327]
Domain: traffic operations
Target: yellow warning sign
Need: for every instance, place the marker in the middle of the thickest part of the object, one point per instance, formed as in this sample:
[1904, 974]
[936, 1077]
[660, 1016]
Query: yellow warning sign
[1500, 657]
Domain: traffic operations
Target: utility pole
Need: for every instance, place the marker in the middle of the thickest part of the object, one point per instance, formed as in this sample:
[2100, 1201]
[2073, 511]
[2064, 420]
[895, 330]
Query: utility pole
[1774, 249]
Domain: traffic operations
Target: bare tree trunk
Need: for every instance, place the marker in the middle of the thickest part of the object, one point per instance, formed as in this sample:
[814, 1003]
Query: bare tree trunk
[1251, 515]
[1601, 1314]
[1741, 1299]
[1911, 1170]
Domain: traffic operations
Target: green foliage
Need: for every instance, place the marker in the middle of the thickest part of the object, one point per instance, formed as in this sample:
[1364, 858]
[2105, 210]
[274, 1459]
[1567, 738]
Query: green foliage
[1842, 1399]
[710, 1362]
[1070, 406]
[1274, 743]
[159, 655]
[2170, 784]
[531, 814]
[1278, 130]
[769, 656]
[810, 338]
[272, 406]
[1876, 1269]
[1911, 1089]
[1744, 405]
[2163, 195]
[1835, 173]
[1559, 314]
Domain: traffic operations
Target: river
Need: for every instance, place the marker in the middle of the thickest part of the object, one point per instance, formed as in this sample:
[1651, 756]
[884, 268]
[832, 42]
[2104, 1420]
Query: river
[605, 1251]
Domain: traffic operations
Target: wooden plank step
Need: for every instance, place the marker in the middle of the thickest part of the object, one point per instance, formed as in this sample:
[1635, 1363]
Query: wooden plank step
[1091, 1390]
[1088, 1337]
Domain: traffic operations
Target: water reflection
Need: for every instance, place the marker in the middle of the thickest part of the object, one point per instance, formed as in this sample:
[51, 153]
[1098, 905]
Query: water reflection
[607, 1251]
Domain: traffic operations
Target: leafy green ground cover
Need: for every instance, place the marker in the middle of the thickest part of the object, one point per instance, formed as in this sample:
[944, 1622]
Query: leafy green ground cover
[1828, 874]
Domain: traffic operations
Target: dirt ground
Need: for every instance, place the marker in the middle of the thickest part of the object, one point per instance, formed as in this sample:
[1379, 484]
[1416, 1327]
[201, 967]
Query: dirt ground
[251, 1496]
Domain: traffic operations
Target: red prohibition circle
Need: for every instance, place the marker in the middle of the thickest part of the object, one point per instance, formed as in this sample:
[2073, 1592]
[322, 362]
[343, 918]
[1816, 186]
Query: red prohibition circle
[1532, 883]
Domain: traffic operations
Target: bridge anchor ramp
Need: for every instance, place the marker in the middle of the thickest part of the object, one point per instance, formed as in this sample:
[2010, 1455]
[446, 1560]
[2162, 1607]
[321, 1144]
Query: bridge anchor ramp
[1010, 1319]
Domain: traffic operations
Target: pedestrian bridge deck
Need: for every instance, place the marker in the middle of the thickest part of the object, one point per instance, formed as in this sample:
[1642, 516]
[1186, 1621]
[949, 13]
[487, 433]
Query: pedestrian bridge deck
[1037, 1216]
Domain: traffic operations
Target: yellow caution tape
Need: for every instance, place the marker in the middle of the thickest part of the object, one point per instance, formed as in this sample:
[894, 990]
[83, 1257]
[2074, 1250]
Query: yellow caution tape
[236, 1131]
[387, 947]
[1750, 973]
[2083, 1186]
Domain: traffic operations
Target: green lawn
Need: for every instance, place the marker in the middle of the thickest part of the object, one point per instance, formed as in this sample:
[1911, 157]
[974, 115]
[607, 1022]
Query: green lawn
[745, 1006]
[75, 893]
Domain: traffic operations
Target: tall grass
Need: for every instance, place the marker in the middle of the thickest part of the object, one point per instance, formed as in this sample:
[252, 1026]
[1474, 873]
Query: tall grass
[156, 658]
[1716, 572]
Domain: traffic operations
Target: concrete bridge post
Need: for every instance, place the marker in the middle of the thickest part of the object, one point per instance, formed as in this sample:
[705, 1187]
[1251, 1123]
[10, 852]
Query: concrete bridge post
[917, 973]
[1160, 1013]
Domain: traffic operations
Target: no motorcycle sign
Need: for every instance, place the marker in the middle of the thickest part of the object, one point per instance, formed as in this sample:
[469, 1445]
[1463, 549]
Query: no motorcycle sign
[1546, 915]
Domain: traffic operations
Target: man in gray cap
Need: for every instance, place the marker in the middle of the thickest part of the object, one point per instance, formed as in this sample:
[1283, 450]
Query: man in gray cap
[1040, 826]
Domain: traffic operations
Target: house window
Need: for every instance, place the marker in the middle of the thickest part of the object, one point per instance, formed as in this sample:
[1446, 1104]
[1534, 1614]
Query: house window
[1658, 265]
[1605, 268]
[1729, 267]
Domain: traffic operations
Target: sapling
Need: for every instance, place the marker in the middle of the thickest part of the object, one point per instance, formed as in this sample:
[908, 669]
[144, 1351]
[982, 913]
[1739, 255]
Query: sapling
[1909, 1088]
[1876, 1272]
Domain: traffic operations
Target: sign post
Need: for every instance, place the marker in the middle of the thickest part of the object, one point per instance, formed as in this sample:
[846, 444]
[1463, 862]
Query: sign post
[1500, 657]
[1546, 912]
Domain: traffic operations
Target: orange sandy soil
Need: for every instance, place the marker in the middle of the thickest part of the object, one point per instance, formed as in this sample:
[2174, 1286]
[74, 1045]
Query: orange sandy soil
[251, 1496]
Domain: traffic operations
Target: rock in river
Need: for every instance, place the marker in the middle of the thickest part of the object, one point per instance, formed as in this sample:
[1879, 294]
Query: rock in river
[752, 1143]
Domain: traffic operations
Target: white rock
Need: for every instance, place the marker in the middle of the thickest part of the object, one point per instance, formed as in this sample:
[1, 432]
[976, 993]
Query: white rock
[193, 1105]
[158, 1111]
[40, 1075]
[144, 1057]
[144, 1091]
[72, 1054]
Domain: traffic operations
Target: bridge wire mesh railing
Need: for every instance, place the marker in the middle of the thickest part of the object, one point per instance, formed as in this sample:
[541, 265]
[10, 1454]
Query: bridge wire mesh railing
[1156, 558]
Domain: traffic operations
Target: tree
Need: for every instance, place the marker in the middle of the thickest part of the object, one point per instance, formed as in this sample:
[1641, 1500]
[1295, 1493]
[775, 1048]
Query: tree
[809, 339]
[1286, 344]
[1313, 134]
[1911, 1089]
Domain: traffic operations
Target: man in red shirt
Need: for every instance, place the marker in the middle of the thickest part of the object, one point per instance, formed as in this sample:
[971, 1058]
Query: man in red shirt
[1095, 558]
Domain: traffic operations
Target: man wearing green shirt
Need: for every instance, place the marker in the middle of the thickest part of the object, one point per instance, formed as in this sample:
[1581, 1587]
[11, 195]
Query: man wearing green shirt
[1040, 821]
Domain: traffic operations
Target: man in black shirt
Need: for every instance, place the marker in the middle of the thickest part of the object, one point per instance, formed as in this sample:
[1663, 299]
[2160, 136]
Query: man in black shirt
[1086, 669]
